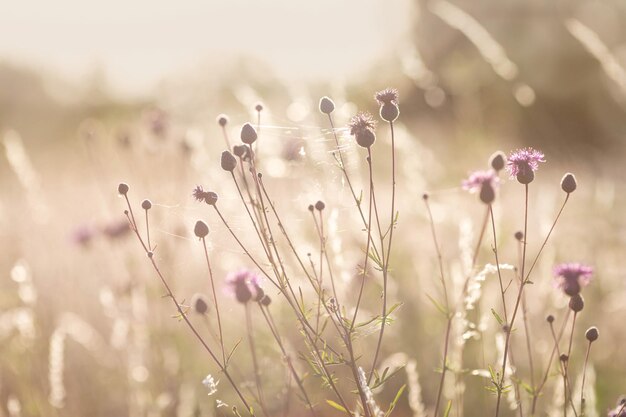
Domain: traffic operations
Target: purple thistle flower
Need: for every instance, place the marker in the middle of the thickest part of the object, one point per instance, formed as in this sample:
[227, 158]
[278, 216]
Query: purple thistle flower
[476, 180]
[82, 235]
[362, 121]
[571, 277]
[388, 95]
[245, 285]
[619, 410]
[523, 163]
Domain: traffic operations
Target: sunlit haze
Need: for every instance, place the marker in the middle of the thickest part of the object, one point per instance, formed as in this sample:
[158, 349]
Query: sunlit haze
[136, 44]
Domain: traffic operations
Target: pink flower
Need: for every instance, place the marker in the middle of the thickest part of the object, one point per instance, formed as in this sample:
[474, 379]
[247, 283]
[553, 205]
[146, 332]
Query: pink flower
[245, 285]
[571, 277]
[475, 181]
[523, 163]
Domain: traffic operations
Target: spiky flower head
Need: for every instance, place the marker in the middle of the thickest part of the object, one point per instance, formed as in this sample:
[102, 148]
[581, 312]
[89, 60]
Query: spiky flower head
[245, 285]
[571, 277]
[484, 182]
[362, 127]
[522, 164]
[208, 197]
[619, 410]
[388, 95]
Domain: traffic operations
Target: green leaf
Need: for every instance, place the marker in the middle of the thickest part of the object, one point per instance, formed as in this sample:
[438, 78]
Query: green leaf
[337, 406]
[497, 316]
[448, 408]
[438, 306]
[395, 400]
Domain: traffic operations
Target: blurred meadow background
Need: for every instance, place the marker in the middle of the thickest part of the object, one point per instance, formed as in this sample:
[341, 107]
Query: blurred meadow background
[97, 93]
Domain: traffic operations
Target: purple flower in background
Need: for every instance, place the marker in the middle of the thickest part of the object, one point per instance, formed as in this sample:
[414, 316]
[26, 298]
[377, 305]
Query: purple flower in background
[245, 285]
[82, 235]
[571, 277]
[476, 180]
[116, 229]
[484, 182]
[620, 410]
[523, 163]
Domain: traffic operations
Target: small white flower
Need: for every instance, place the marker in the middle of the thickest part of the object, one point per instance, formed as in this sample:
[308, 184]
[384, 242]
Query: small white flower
[211, 384]
[220, 403]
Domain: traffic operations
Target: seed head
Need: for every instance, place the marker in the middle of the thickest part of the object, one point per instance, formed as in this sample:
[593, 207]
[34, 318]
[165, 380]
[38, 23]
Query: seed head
[266, 300]
[326, 105]
[208, 197]
[497, 160]
[563, 357]
[550, 318]
[319, 206]
[123, 188]
[222, 120]
[199, 303]
[146, 204]
[568, 183]
[248, 134]
[592, 334]
[228, 161]
[519, 235]
[311, 207]
[577, 303]
[201, 229]
[258, 106]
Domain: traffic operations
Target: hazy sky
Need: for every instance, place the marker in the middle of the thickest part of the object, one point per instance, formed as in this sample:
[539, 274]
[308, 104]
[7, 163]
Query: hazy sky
[139, 42]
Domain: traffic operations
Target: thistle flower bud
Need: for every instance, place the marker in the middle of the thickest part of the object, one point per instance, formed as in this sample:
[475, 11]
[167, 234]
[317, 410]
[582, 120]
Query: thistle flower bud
[266, 300]
[123, 188]
[243, 293]
[311, 207]
[425, 196]
[199, 303]
[389, 112]
[487, 193]
[319, 206]
[228, 161]
[326, 105]
[365, 138]
[550, 318]
[576, 303]
[259, 294]
[519, 235]
[525, 176]
[258, 106]
[146, 204]
[210, 198]
[563, 357]
[248, 134]
[222, 120]
[568, 183]
[201, 229]
[497, 160]
[592, 334]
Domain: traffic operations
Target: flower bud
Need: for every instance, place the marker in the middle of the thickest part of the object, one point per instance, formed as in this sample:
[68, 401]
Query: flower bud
[497, 161]
[311, 207]
[519, 235]
[266, 300]
[326, 105]
[576, 303]
[563, 358]
[487, 193]
[228, 161]
[592, 334]
[550, 318]
[210, 198]
[123, 188]
[248, 134]
[525, 176]
[258, 106]
[319, 206]
[222, 120]
[568, 183]
[389, 112]
[365, 137]
[201, 229]
[199, 303]
[146, 204]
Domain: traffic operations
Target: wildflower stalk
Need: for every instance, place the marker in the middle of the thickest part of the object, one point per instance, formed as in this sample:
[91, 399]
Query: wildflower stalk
[217, 307]
[495, 252]
[582, 386]
[566, 385]
[509, 329]
[449, 314]
[274, 330]
[255, 362]
[182, 314]
[386, 256]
